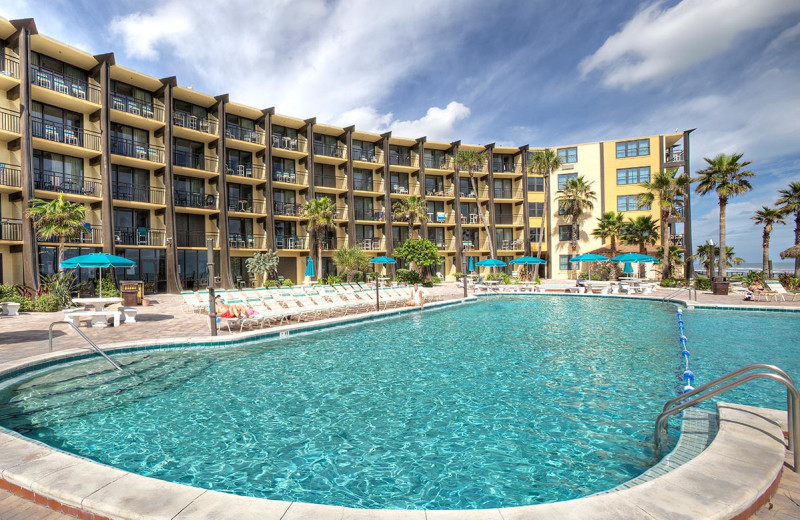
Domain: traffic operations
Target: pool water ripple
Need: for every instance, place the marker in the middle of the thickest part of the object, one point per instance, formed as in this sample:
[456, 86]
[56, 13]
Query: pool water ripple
[506, 402]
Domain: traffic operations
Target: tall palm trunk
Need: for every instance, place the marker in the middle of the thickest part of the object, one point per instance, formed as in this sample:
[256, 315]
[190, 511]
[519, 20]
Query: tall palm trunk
[61, 245]
[480, 213]
[573, 242]
[765, 249]
[666, 262]
[411, 226]
[723, 254]
[319, 254]
[797, 242]
[642, 251]
[545, 213]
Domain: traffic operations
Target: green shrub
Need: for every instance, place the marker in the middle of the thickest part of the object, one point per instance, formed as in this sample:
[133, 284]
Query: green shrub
[270, 283]
[789, 282]
[109, 290]
[407, 276]
[701, 283]
[458, 276]
[287, 282]
[358, 276]
[754, 277]
[427, 284]
[671, 282]
[333, 279]
[7, 291]
[25, 304]
[436, 279]
[506, 279]
[48, 303]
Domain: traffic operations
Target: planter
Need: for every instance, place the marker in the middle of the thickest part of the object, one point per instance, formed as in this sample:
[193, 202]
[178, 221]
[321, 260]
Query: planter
[145, 302]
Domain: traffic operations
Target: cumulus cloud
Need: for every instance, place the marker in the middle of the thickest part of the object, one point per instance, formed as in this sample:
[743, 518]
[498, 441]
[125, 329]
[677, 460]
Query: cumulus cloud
[659, 42]
[438, 124]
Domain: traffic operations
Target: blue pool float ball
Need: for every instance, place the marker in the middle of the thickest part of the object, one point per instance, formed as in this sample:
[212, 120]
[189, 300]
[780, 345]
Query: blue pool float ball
[685, 353]
[687, 389]
[688, 376]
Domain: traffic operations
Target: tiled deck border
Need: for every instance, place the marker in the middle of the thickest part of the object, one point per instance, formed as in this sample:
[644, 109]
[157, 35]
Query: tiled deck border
[737, 474]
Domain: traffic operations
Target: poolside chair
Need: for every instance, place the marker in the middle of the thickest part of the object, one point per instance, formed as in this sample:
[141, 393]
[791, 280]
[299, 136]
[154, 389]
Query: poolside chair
[779, 291]
[192, 303]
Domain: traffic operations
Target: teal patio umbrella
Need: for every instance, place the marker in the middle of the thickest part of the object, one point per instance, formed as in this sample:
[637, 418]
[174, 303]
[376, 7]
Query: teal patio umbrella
[471, 263]
[97, 261]
[627, 268]
[375, 261]
[309, 268]
[589, 258]
[634, 258]
[527, 260]
[491, 262]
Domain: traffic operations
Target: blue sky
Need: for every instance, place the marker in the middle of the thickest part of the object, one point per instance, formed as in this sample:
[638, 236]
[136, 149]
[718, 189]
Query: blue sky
[543, 73]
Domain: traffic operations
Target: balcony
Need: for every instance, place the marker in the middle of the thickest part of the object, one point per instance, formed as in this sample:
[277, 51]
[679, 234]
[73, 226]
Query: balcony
[198, 161]
[60, 133]
[503, 193]
[510, 245]
[439, 191]
[326, 181]
[293, 144]
[253, 171]
[371, 244]
[240, 241]
[332, 244]
[403, 160]
[246, 205]
[287, 209]
[200, 200]
[10, 230]
[369, 214]
[673, 156]
[240, 133]
[140, 236]
[375, 157]
[402, 189]
[290, 242]
[10, 175]
[137, 107]
[364, 184]
[9, 121]
[192, 122]
[64, 183]
[74, 87]
[676, 240]
[138, 193]
[441, 164]
[90, 234]
[506, 219]
[289, 176]
[444, 244]
[329, 150]
[144, 151]
[9, 66]
[441, 217]
[195, 239]
[507, 168]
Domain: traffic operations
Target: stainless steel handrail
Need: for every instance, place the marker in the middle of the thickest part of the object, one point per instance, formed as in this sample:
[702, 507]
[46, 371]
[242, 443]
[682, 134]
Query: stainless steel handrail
[680, 290]
[792, 397]
[84, 336]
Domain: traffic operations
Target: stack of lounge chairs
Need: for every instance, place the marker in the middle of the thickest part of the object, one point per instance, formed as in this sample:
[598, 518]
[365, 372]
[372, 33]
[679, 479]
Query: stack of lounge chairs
[280, 305]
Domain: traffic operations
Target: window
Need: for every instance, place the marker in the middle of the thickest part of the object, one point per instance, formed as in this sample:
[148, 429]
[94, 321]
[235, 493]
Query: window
[362, 207]
[535, 209]
[56, 172]
[280, 166]
[362, 179]
[628, 203]
[564, 177]
[363, 151]
[504, 235]
[535, 183]
[190, 109]
[326, 145]
[565, 232]
[435, 159]
[434, 185]
[503, 188]
[363, 232]
[635, 148]
[568, 155]
[398, 181]
[633, 175]
[130, 184]
[564, 263]
[400, 155]
[238, 158]
[502, 163]
[324, 175]
[535, 235]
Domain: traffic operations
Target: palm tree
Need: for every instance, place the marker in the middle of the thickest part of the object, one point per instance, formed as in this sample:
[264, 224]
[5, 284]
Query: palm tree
[767, 217]
[544, 162]
[412, 209]
[675, 255]
[704, 255]
[789, 203]
[350, 260]
[320, 213]
[574, 200]
[669, 192]
[727, 176]
[472, 161]
[642, 232]
[610, 225]
[59, 218]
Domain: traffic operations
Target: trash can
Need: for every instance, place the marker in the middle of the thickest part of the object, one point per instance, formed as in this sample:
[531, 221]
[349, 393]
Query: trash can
[719, 285]
[129, 297]
[132, 285]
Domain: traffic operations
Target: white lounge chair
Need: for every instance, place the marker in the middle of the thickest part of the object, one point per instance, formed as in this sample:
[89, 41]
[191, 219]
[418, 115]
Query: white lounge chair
[779, 291]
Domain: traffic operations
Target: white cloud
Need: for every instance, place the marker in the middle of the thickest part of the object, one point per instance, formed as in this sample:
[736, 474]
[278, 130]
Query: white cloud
[438, 124]
[659, 42]
[306, 58]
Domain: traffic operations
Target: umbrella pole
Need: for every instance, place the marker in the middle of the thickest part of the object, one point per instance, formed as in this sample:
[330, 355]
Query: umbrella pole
[377, 292]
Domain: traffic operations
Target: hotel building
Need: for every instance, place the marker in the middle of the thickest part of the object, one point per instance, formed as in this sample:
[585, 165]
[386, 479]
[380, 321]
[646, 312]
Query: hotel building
[162, 169]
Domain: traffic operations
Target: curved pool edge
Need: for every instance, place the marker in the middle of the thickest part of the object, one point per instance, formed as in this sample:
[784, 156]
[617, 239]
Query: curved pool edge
[724, 481]
[732, 478]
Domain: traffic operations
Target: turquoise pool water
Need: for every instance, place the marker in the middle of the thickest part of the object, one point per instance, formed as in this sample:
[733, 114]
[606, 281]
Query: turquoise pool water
[509, 401]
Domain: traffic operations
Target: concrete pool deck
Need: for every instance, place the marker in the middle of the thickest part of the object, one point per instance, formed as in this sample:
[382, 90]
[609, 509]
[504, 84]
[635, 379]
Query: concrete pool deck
[41, 474]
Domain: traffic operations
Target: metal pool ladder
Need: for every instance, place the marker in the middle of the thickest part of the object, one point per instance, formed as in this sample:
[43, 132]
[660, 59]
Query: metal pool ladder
[84, 336]
[732, 380]
[680, 290]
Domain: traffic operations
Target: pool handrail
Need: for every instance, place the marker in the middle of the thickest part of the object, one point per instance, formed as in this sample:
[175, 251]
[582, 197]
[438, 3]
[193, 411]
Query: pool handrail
[85, 337]
[793, 398]
[680, 290]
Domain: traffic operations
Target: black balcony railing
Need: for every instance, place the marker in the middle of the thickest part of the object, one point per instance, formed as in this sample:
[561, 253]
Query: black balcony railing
[364, 155]
[244, 204]
[137, 107]
[502, 193]
[673, 156]
[363, 184]
[326, 181]
[198, 161]
[145, 151]
[284, 175]
[139, 236]
[290, 242]
[75, 87]
[243, 170]
[191, 121]
[400, 160]
[10, 175]
[504, 218]
[242, 241]
[442, 164]
[249, 135]
[194, 238]
[10, 66]
[10, 229]
[89, 234]
[289, 209]
[9, 120]
[200, 200]
[331, 150]
[138, 193]
[368, 214]
[61, 133]
[63, 183]
[285, 142]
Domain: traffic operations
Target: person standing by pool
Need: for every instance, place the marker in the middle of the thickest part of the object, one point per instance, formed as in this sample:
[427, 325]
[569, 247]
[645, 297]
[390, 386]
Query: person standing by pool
[417, 297]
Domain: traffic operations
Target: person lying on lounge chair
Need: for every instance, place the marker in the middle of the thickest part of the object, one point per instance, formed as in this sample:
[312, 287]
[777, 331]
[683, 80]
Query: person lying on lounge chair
[229, 311]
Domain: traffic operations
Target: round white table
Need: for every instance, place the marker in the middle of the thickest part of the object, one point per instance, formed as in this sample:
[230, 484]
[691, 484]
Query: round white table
[94, 302]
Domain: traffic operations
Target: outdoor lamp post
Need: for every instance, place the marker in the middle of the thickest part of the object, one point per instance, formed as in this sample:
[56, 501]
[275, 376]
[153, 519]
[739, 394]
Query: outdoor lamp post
[212, 307]
[464, 270]
[710, 243]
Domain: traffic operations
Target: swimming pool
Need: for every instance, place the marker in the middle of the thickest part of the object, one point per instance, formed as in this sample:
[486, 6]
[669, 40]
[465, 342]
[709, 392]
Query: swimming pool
[509, 401]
